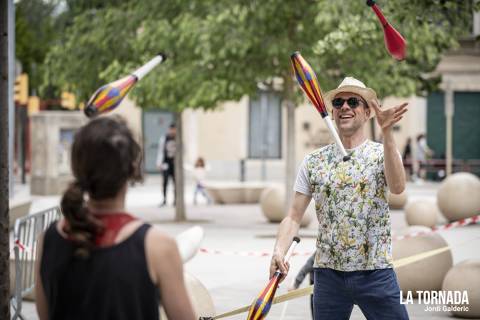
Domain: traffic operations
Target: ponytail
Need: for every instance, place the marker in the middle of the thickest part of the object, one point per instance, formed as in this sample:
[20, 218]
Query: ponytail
[81, 226]
[105, 156]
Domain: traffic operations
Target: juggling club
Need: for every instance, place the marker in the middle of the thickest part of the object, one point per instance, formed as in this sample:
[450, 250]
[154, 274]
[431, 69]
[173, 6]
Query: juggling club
[261, 306]
[394, 42]
[307, 79]
[109, 96]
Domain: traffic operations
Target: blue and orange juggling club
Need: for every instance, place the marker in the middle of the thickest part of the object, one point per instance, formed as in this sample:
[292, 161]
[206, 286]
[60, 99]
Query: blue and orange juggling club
[394, 42]
[308, 81]
[261, 306]
[109, 96]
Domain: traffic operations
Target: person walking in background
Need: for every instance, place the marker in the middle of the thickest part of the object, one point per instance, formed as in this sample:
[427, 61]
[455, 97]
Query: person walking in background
[166, 159]
[306, 269]
[199, 173]
[407, 157]
[99, 261]
[423, 152]
[407, 150]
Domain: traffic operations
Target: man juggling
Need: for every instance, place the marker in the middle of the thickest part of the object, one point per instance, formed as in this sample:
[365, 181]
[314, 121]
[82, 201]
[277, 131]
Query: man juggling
[353, 261]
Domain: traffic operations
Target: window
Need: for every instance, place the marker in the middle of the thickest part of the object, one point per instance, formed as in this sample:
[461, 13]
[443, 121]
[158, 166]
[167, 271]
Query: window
[265, 126]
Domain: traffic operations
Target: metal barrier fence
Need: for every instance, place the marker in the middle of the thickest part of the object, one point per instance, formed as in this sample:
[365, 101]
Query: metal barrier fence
[25, 234]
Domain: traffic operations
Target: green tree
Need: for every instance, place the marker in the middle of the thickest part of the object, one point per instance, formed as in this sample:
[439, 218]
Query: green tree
[34, 34]
[222, 50]
[39, 26]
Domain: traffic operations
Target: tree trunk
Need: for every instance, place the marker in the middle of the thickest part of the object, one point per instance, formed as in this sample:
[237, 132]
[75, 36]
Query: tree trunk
[180, 214]
[4, 179]
[290, 150]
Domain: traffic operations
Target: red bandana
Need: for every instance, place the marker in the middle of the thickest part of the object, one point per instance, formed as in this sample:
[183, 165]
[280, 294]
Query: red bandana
[113, 223]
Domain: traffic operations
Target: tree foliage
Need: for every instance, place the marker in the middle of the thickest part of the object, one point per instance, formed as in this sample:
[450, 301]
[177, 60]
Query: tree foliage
[77, 61]
[355, 45]
[34, 32]
[221, 50]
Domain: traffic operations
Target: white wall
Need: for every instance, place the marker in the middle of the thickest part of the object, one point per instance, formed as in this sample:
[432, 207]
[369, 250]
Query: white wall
[132, 115]
[414, 121]
[219, 136]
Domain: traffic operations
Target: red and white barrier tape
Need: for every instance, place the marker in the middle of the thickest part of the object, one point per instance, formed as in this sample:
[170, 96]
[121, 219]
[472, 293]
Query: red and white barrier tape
[248, 253]
[22, 247]
[448, 226]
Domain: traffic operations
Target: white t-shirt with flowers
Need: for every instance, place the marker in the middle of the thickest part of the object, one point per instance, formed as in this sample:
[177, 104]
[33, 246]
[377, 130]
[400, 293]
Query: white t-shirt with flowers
[351, 204]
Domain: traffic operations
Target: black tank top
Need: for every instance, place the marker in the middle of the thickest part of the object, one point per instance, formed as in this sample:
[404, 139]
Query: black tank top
[113, 283]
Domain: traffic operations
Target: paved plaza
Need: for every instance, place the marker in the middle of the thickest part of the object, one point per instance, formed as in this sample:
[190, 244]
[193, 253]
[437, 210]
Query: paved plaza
[234, 280]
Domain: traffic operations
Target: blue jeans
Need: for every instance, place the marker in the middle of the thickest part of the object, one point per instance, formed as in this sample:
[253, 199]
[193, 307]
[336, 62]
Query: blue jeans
[376, 292]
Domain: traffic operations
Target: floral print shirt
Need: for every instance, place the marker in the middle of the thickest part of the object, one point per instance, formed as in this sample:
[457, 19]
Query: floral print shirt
[351, 204]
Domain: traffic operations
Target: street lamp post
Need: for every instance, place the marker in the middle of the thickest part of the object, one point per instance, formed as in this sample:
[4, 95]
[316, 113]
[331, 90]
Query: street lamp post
[449, 111]
[264, 132]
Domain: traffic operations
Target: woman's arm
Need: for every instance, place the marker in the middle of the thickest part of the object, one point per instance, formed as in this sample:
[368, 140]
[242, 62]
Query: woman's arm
[166, 271]
[40, 298]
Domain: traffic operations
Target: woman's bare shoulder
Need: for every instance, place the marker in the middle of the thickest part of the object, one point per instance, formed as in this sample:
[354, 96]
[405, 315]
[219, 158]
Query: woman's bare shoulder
[158, 242]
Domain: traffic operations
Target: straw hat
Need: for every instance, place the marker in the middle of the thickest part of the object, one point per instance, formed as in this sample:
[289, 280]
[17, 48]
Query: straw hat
[350, 84]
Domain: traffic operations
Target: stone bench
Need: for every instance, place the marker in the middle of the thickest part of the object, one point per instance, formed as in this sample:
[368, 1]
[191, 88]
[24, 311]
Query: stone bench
[235, 192]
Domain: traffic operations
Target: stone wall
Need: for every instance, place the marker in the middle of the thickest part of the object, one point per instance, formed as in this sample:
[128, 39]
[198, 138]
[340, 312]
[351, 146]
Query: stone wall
[52, 134]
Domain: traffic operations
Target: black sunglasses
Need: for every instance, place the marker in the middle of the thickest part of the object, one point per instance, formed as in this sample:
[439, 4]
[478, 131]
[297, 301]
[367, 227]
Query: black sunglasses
[352, 102]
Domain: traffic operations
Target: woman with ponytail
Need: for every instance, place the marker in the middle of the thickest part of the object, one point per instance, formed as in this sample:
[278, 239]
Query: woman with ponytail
[100, 262]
